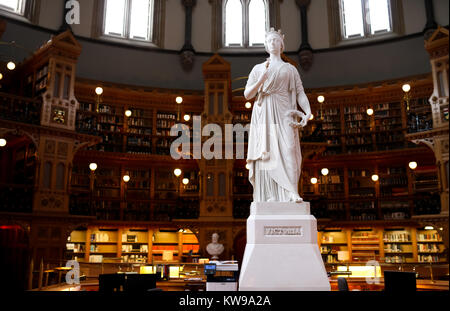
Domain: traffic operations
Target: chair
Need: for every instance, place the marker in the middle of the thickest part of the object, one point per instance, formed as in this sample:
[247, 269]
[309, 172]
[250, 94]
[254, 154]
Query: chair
[342, 284]
[111, 282]
[136, 283]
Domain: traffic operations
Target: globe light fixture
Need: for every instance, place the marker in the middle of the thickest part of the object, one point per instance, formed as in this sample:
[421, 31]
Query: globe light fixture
[185, 181]
[311, 117]
[187, 117]
[412, 165]
[248, 105]
[177, 172]
[99, 90]
[321, 99]
[314, 180]
[370, 111]
[179, 100]
[406, 88]
[93, 167]
[1, 76]
[429, 228]
[247, 166]
[324, 171]
[126, 178]
[128, 113]
[375, 177]
[11, 65]
[2, 142]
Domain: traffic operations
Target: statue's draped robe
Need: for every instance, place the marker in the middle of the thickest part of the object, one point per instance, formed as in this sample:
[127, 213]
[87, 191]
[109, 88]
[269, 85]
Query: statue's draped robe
[274, 155]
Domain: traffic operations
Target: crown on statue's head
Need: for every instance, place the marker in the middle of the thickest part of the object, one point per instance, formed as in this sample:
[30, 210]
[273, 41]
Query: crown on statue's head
[272, 31]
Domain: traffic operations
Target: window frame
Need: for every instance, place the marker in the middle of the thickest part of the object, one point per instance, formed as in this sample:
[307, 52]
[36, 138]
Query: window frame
[245, 4]
[336, 23]
[218, 22]
[22, 8]
[29, 11]
[156, 28]
[127, 24]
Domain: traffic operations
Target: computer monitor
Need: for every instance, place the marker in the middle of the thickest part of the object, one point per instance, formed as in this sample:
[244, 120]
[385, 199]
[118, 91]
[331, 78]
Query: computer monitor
[398, 281]
[210, 269]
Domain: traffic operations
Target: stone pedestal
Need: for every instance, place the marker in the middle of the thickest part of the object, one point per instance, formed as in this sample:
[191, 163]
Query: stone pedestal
[282, 252]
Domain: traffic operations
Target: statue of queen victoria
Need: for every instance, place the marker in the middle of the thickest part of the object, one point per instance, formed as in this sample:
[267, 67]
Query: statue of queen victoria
[274, 156]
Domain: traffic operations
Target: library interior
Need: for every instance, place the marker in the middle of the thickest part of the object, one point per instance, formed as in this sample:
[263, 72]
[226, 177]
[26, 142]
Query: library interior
[89, 94]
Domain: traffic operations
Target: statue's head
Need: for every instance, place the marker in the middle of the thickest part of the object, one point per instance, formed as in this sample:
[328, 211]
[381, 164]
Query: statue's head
[215, 238]
[279, 38]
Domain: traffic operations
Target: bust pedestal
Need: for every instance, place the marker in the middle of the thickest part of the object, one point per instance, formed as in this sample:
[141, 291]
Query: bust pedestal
[282, 252]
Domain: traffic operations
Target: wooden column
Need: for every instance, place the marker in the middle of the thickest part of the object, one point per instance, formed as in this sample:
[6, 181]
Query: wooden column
[150, 246]
[152, 193]
[180, 245]
[381, 242]
[349, 243]
[119, 242]
[410, 176]
[343, 142]
[414, 244]
[346, 193]
[88, 245]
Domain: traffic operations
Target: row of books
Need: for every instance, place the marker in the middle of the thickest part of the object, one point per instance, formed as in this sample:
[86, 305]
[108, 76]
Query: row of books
[397, 237]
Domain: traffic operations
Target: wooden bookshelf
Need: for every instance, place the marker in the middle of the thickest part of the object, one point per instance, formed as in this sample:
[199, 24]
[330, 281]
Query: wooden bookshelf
[130, 245]
[398, 245]
[331, 242]
[365, 245]
[430, 246]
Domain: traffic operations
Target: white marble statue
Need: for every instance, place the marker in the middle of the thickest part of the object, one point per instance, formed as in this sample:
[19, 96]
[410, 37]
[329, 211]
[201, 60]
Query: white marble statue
[215, 248]
[274, 154]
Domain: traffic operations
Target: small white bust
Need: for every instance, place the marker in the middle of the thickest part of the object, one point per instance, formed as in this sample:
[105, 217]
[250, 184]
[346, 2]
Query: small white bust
[214, 248]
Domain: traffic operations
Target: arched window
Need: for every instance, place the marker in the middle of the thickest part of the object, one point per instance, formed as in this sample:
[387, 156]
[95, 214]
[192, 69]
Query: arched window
[245, 22]
[353, 20]
[131, 19]
[233, 23]
[257, 14]
[362, 18]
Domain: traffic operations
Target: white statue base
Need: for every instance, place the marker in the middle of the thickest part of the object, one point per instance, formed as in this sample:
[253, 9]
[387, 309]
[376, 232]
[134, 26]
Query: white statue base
[282, 252]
